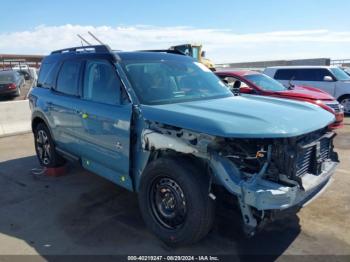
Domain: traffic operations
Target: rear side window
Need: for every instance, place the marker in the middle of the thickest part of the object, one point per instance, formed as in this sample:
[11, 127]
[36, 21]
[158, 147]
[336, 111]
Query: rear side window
[101, 83]
[285, 74]
[68, 78]
[312, 74]
[47, 75]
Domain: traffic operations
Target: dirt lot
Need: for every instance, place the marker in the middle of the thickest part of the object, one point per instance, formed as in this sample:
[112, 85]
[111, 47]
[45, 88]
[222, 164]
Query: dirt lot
[82, 213]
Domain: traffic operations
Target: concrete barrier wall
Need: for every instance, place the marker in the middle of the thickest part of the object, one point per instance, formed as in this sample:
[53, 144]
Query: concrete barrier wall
[15, 118]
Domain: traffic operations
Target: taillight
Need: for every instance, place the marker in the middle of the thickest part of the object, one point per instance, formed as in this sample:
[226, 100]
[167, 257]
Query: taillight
[12, 86]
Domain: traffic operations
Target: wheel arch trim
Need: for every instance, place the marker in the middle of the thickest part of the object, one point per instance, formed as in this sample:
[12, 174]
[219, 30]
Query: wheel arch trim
[40, 116]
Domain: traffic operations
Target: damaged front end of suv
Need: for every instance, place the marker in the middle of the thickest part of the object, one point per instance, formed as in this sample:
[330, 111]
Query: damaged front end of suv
[191, 136]
[266, 174]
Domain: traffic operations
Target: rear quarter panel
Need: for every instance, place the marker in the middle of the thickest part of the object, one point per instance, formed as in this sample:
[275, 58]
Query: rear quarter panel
[38, 102]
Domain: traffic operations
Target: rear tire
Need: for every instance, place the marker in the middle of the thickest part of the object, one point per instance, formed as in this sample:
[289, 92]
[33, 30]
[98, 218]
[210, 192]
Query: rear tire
[45, 147]
[174, 201]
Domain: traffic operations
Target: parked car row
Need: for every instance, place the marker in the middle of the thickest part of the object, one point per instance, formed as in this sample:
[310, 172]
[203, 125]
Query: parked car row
[255, 83]
[330, 79]
[13, 80]
[166, 127]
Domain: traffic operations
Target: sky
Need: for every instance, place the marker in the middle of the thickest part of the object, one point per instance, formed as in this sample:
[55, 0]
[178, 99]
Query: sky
[229, 30]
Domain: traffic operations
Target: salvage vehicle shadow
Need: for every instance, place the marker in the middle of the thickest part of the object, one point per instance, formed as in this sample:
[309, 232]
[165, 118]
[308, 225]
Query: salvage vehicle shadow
[81, 213]
[271, 240]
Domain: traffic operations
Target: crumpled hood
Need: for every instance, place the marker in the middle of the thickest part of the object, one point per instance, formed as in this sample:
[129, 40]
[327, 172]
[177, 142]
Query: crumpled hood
[242, 116]
[305, 92]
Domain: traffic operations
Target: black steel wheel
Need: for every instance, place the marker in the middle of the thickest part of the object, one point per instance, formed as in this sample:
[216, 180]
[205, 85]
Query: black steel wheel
[174, 201]
[168, 202]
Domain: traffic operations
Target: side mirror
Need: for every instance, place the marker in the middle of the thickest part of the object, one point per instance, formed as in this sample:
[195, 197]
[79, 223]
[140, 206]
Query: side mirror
[203, 54]
[246, 90]
[328, 79]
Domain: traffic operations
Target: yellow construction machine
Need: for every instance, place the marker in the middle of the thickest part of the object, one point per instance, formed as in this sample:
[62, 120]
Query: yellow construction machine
[195, 51]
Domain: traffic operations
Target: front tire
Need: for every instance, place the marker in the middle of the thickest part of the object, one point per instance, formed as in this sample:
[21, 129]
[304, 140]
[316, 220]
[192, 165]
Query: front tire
[45, 147]
[174, 201]
[345, 102]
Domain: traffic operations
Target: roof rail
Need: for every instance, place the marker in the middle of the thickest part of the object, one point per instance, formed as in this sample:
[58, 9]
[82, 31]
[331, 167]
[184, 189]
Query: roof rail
[88, 49]
[177, 52]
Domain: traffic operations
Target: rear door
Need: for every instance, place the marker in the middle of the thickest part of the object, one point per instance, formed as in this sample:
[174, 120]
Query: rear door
[105, 123]
[63, 106]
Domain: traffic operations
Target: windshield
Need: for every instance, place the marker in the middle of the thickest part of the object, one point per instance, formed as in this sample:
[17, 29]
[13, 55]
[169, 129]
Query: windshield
[265, 82]
[164, 82]
[340, 74]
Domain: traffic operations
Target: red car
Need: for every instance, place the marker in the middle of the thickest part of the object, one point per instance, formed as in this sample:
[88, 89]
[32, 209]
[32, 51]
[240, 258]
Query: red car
[251, 82]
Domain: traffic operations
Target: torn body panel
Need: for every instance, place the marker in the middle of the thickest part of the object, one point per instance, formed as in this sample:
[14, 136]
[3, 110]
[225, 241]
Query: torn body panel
[265, 174]
[157, 141]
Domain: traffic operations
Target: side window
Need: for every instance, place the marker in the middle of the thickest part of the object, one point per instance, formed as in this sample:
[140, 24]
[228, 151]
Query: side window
[46, 75]
[310, 74]
[285, 74]
[307, 75]
[228, 80]
[233, 83]
[315, 74]
[101, 83]
[68, 78]
[324, 72]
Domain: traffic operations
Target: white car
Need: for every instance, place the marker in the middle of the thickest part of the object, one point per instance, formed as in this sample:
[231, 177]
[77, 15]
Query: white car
[20, 67]
[33, 74]
[330, 79]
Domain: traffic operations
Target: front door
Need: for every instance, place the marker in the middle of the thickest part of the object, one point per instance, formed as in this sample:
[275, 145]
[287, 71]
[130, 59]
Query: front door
[105, 135]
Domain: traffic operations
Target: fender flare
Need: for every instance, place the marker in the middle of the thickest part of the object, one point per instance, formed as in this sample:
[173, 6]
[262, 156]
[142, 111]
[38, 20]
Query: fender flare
[36, 115]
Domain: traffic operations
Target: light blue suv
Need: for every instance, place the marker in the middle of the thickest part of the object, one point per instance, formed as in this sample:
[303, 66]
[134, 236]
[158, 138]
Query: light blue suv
[162, 125]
